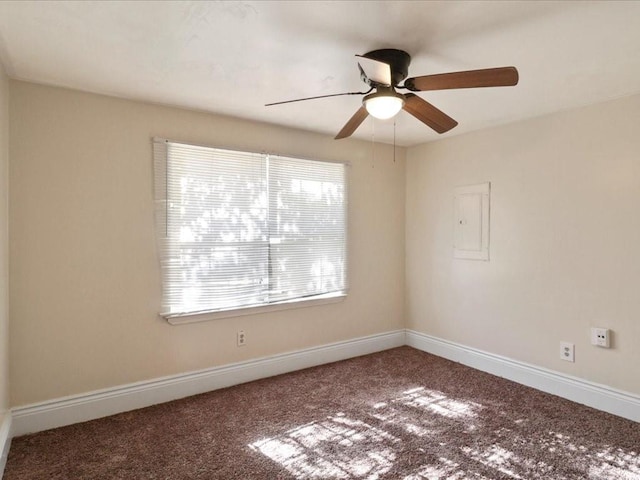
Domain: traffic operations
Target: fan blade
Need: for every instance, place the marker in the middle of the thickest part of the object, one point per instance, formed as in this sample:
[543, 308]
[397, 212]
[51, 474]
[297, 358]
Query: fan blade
[319, 96]
[428, 114]
[374, 70]
[489, 77]
[353, 123]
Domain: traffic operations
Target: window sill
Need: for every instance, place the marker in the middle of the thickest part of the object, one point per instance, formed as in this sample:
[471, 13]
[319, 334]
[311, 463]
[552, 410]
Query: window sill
[239, 312]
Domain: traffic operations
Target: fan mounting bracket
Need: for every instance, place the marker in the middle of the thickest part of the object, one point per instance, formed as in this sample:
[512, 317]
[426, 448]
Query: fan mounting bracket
[398, 60]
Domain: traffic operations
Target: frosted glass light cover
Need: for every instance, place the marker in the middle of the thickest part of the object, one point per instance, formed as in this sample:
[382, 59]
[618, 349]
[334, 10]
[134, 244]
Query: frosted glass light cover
[383, 107]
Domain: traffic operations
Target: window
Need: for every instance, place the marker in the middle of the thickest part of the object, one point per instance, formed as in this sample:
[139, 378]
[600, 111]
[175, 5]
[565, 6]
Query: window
[238, 230]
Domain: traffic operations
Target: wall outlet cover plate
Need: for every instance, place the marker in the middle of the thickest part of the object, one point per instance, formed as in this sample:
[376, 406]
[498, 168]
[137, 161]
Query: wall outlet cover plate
[567, 351]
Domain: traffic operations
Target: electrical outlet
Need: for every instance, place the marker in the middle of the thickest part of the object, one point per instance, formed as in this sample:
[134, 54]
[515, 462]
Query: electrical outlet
[242, 338]
[600, 337]
[567, 351]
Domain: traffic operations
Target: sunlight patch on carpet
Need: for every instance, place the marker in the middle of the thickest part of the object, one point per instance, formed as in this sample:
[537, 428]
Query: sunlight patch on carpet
[496, 458]
[419, 410]
[444, 469]
[337, 447]
[369, 443]
[616, 464]
[438, 402]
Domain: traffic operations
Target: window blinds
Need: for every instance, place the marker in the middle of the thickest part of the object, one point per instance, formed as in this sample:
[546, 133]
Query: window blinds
[239, 229]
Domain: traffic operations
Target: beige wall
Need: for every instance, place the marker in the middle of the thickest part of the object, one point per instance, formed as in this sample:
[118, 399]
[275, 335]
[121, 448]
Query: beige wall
[565, 232]
[4, 242]
[85, 282]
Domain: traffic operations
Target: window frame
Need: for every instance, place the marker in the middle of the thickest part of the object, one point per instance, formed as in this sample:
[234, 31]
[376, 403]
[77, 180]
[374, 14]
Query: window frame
[160, 167]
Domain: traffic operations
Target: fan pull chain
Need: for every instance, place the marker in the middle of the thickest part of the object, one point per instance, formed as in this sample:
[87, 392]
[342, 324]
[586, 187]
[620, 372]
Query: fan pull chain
[394, 140]
[373, 143]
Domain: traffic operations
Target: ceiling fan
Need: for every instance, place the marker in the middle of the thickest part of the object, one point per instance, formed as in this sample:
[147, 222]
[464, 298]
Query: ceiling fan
[384, 69]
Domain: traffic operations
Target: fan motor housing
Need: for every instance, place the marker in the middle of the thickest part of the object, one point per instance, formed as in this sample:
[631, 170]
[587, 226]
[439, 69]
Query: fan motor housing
[399, 61]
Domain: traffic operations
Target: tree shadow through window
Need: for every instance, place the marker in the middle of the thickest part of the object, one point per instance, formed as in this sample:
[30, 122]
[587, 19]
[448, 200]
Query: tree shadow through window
[425, 434]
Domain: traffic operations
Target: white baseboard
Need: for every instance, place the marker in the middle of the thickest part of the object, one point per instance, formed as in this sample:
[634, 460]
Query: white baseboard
[97, 404]
[5, 439]
[601, 397]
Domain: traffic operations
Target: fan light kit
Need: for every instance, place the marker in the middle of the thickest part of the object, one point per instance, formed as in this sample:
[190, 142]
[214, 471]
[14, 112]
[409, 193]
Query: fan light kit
[383, 104]
[383, 70]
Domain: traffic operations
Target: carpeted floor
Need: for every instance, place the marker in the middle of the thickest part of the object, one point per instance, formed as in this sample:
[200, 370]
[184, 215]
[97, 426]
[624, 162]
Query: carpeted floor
[398, 414]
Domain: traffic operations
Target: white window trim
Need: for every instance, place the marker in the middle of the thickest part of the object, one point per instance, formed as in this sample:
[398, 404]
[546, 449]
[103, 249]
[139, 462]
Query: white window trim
[258, 309]
[316, 300]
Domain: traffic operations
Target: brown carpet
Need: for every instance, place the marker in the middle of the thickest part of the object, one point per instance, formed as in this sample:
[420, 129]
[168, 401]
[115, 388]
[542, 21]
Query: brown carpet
[398, 414]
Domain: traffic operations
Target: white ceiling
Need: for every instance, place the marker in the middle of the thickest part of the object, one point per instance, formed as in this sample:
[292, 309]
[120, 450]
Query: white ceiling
[233, 57]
